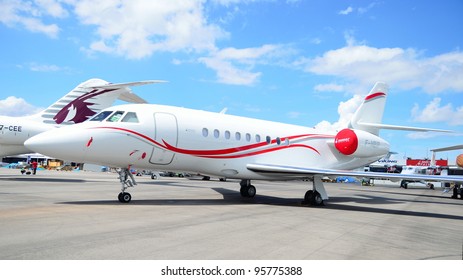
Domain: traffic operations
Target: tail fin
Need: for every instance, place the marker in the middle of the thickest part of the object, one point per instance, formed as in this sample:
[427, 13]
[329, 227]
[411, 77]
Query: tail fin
[87, 99]
[372, 109]
[369, 115]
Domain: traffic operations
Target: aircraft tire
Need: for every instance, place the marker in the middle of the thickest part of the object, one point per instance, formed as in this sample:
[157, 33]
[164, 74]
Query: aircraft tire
[251, 192]
[313, 198]
[308, 197]
[248, 191]
[317, 199]
[124, 197]
[403, 184]
[243, 191]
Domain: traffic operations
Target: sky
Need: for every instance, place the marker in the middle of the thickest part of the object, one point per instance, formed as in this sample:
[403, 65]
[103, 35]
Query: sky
[308, 63]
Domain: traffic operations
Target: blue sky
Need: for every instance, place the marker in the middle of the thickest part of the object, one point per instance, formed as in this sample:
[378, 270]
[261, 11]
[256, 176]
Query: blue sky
[302, 62]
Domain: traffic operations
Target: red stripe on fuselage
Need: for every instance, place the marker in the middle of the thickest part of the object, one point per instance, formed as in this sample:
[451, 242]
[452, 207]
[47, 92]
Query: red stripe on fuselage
[226, 153]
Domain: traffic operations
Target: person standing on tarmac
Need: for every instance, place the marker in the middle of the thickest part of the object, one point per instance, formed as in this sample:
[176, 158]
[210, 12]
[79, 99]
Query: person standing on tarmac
[34, 167]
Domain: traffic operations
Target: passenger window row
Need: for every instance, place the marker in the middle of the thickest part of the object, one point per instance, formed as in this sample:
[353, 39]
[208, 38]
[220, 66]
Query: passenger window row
[247, 136]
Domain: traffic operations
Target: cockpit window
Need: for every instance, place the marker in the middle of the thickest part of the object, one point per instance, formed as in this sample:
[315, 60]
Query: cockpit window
[115, 117]
[101, 116]
[130, 117]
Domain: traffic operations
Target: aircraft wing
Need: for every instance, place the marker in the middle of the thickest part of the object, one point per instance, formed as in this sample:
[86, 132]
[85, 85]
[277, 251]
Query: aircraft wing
[292, 171]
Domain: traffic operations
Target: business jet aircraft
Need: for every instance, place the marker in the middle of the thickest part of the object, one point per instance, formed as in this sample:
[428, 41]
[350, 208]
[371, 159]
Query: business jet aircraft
[84, 101]
[179, 139]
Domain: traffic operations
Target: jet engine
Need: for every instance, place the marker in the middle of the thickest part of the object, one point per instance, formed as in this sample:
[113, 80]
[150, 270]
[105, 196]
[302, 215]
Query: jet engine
[359, 143]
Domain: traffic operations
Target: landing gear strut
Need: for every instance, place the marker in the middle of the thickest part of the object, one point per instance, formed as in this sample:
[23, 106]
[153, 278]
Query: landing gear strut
[127, 181]
[247, 190]
[317, 195]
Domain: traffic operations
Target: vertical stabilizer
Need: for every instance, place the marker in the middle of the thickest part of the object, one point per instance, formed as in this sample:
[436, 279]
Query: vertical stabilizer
[372, 109]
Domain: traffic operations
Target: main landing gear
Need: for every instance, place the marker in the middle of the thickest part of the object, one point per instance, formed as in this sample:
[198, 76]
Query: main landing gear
[314, 197]
[247, 190]
[317, 195]
[127, 181]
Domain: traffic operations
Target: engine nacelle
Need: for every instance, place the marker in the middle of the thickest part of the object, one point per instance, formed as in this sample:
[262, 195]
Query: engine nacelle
[359, 143]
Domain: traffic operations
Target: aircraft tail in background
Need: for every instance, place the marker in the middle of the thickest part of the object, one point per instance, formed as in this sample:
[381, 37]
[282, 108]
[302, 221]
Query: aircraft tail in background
[87, 99]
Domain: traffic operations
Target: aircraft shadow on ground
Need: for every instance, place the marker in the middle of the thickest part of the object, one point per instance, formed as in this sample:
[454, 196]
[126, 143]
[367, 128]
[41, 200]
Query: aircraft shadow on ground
[231, 197]
[437, 194]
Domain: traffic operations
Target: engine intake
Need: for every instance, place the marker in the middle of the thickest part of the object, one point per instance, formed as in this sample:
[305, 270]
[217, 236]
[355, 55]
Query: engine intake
[359, 143]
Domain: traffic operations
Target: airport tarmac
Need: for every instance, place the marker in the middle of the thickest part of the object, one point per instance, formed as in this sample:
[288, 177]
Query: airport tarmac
[76, 215]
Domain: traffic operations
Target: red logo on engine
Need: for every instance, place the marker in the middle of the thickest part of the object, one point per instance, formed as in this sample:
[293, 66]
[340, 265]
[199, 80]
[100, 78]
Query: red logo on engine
[346, 142]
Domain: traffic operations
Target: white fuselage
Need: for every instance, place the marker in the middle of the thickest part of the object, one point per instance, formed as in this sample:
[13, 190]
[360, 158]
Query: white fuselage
[14, 131]
[178, 139]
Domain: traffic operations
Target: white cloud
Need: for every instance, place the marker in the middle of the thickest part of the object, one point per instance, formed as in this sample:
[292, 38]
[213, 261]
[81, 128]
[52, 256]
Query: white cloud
[295, 115]
[329, 87]
[44, 67]
[138, 28]
[434, 112]
[235, 66]
[346, 110]
[228, 73]
[346, 11]
[30, 15]
[360, 10]
[405, 68]
[14, 107]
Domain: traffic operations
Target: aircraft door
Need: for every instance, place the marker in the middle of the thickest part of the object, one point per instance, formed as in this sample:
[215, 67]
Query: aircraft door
[165, 129]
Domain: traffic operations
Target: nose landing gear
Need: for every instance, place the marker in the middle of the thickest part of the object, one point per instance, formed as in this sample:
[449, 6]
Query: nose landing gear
[127, 181]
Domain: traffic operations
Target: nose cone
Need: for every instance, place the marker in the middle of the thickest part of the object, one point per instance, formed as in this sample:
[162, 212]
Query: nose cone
[61, 143]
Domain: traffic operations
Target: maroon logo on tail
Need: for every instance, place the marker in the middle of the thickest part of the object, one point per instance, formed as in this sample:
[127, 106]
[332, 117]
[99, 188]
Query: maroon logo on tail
[81, 107]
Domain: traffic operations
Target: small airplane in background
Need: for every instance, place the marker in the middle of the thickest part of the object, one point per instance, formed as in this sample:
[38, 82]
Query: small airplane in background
[84, 101]
[170, 138]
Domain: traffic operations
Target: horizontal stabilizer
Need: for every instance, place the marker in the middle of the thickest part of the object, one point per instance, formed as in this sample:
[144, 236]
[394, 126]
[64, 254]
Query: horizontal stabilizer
[128, 95]
[130, 84]
[399, 127]
[131, 97]
[451, 148]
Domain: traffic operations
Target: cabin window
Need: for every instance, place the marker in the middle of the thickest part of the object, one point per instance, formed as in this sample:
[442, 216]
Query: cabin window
[216, 133]
[248, 137]
[268, 139]
[257, 138]
[238, 136]
[205, 132]
[287, 141]
[115, 117]
[278, 141]
[101, 116]
[130, 117]
[227, 134]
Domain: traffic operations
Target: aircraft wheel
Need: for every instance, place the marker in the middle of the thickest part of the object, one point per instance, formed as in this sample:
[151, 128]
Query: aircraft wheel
[403, 184]
[251, 191]
[248, 191]
[124, 197]
[313, 198]
[318, 200]
[308, 197]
